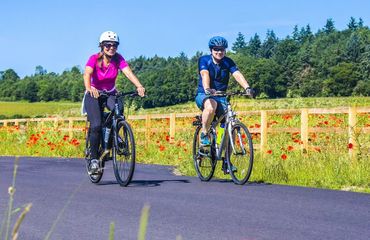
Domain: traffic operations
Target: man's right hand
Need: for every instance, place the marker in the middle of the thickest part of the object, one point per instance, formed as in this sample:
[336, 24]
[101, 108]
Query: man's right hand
[210, 91]
[250, 92]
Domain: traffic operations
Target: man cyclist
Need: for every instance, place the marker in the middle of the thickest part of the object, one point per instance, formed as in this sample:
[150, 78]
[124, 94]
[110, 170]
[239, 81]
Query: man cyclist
[101, 72]
[214, 73]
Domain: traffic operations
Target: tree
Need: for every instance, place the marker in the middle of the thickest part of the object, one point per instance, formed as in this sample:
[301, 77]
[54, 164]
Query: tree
[254, 45]
[342, 80]
[10, 74]
[239, 43]
[353, 48]
[352, 25]
[329, 26]
[31, 89]
[39, 70]
[268, 46]
[360, 23]
[296, 35]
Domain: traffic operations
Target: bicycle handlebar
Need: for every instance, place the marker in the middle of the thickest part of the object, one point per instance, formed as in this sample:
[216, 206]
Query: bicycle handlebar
[118, 94]
[227, 94]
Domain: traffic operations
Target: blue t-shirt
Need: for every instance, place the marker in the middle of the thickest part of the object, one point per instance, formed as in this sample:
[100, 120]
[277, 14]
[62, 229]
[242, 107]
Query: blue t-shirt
[219, 74]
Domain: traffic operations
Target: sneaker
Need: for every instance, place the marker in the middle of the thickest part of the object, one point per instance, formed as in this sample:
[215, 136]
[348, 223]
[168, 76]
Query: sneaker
[94, 166]
[233, 168]
[226, 170]
[204, 140]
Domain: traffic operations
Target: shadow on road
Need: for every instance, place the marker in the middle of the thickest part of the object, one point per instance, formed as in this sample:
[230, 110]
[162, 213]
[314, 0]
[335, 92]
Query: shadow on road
[255, 183]
[153, 183]
[144, 183]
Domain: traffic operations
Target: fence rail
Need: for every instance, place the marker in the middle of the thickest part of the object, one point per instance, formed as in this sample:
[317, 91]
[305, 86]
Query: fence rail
[264, 129]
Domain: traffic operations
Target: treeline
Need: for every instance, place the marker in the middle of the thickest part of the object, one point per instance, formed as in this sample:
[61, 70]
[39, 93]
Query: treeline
[303, 64]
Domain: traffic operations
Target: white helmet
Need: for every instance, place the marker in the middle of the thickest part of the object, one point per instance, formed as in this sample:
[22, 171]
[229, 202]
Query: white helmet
[109, 36]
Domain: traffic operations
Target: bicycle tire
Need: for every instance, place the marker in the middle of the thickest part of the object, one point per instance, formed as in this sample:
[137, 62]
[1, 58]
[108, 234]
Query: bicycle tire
[204, 166]
[95, 177]
[124, 154]
[243, 161]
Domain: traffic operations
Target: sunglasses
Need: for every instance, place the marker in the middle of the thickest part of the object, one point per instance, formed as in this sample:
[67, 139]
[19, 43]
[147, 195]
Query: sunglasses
[110, 45]
[218, 49]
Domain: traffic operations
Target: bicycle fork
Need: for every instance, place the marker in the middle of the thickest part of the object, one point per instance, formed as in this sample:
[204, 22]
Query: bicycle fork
[229, 131]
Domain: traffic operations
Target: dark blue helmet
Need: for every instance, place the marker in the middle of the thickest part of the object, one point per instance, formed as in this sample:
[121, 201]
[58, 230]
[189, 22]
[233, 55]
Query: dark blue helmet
[217, 42]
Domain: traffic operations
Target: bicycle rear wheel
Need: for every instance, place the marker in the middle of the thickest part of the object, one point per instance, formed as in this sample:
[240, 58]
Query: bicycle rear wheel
[124, 154]
[242, 157]
[204, 160]
[94, 176]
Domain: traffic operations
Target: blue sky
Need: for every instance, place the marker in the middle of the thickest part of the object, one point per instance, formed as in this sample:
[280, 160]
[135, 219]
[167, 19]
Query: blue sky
[60, 34]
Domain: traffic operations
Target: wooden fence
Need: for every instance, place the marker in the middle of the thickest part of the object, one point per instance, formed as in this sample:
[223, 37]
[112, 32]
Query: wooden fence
[264, 129]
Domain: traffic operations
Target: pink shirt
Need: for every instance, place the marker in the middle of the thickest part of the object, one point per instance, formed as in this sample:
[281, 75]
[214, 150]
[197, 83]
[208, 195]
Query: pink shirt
[104, 77]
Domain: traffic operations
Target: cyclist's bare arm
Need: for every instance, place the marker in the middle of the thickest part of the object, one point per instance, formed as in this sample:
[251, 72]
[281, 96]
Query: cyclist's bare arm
[132, 77]
[241, 79]
[206, 80]
[87, 81]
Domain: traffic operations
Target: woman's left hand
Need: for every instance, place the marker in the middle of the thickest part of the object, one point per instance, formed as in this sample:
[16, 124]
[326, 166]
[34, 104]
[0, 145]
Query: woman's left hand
[141, 91]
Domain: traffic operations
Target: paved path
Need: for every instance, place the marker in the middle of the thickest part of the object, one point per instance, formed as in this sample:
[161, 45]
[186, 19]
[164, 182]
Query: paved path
[65, 201]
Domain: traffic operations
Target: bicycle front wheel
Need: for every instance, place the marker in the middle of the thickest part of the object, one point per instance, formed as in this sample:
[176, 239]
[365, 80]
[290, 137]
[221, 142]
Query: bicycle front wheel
[124, 154]
[204, 161]
[240, 159]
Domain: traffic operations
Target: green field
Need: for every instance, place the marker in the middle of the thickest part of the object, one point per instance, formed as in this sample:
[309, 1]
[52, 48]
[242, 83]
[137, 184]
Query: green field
[68, 109]
[39, 109]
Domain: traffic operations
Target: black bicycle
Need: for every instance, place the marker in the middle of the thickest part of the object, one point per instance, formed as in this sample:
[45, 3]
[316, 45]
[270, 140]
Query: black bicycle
[229, 134]
[117, 144]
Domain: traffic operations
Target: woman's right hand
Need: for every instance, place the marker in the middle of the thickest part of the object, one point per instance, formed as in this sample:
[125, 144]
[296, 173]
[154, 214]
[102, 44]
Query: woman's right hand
[93, 92]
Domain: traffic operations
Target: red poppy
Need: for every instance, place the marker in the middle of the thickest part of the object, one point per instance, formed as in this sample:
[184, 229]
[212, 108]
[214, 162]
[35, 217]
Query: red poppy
[284, 156]
[350, 146]
[269, 151]
[290, 148]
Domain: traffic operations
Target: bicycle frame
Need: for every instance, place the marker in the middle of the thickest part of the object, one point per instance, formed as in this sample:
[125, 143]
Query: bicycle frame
[114, 116]
[229, 122]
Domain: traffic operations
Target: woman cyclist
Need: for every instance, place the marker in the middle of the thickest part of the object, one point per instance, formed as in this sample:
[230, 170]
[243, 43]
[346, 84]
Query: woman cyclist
[101, 72]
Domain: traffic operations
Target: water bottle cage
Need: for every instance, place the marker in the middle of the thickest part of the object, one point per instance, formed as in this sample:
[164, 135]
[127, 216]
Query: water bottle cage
[197, 123]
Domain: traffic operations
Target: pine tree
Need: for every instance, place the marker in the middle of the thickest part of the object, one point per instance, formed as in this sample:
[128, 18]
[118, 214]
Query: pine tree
[239, 43]
[329, 26]
[352, 25]
[254, 45]
[268, 46]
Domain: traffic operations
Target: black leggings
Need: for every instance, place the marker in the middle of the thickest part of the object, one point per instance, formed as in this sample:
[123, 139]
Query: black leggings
[94, 108]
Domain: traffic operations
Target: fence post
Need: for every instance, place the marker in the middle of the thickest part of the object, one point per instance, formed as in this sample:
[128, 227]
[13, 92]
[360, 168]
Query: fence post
[55, 122]
[172, 126]
[352, 122]
[263, 131]
[147, 129]
[70, 128]
[304, 129]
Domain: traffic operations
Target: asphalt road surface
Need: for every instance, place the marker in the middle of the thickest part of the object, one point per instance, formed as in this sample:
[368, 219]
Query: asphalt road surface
[65, 205]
